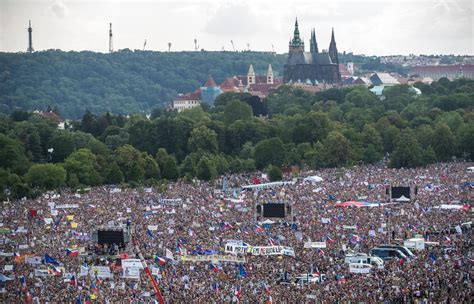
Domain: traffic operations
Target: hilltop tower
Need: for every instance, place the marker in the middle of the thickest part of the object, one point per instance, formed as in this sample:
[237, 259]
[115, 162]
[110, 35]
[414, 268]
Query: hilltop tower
[30, 39]
[313, 45]
[111, 43]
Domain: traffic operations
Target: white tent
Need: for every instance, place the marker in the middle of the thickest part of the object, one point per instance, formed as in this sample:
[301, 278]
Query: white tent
[268, 221]
[313, 179]
[402, 199]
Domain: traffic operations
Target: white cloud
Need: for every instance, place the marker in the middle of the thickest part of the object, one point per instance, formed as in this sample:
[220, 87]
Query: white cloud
[59, 9]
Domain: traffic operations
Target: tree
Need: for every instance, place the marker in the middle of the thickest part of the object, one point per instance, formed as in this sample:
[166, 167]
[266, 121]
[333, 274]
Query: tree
[152, 171]
[46, 176]
[203, 138]
[274, 173]
[336, 150]
[206, 169]
[131, 163]
[113, 174]
[170, 168]
[372, 142]
[269, 151]
[12, 155]
[237, 110]
[443, 142]
[82, 165]
[408, 152]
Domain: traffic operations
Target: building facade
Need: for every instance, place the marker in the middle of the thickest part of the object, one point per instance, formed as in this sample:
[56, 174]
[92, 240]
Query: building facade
[313, 66]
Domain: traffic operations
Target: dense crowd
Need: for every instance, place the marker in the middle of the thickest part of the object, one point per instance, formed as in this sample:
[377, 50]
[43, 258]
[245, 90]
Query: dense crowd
[208, 215]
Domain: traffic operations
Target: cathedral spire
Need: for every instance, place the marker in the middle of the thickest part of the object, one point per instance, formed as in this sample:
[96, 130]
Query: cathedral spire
[313, 45]
[333, 49]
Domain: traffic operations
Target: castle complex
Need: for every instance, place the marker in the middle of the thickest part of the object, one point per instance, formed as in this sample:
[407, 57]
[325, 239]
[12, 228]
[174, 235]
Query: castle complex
[311, 67]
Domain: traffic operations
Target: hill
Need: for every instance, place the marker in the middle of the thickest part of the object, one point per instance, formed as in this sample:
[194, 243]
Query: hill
[123, 82]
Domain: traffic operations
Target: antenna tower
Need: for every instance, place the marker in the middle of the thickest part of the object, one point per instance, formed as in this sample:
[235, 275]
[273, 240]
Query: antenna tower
[30, 39]
[144, 44]
[232, 42]
[111, 43]
[196, 46]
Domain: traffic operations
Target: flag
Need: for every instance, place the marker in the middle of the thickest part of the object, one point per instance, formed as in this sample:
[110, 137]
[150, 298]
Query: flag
[94, 288]
[266, 287]
[50, 260]
[412, 228]
[190, 232]
[320, 251]
[432, 256]
[23, 282]
[54, 270]
[215, 286]
[74, 281]
[258, 228]
[354, 238]
[215, 268]
[160, 261]
[447, 239]
[72, 252]
[149, 233]
[271, 242]
[238, 291]
[169, 254]
[227, 225]
[331, 197]
[329, 239]
[242, 271]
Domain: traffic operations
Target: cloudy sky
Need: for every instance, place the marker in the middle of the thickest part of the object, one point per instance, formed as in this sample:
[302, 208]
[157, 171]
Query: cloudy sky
[365, 27]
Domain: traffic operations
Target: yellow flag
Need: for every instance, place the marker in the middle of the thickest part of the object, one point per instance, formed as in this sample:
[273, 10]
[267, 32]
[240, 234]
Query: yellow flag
[70, 217]
[73, 225]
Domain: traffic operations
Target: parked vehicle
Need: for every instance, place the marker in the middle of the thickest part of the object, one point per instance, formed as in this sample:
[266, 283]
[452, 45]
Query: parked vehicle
[402, 248]
[362, 258]
[388, 253]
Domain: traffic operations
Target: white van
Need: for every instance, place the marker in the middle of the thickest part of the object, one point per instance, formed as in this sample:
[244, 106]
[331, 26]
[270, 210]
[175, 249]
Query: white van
[360, 268]
[415, 243]
[362, 258]
[470, 169]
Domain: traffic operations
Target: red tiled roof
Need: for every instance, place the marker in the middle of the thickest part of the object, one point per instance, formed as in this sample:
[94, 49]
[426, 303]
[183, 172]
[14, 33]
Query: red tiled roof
[189, 96]
[343, 70]
[51, 116]
[210, 82]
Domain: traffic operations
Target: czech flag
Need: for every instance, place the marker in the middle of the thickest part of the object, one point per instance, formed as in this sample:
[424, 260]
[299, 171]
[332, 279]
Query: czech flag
[258, 228]
[238, 291]
[214, 268]
[329, 240]
[160, 261]
[72, 252]
[321, 252]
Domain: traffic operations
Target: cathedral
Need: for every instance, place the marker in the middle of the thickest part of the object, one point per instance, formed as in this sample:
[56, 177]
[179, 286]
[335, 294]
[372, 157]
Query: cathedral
[311, 67]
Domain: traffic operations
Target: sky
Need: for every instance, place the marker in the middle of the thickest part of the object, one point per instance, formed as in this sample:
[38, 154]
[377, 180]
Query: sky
[364, 27]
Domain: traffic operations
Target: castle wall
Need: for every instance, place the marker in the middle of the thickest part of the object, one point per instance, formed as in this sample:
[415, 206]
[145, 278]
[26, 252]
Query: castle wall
[322, 73]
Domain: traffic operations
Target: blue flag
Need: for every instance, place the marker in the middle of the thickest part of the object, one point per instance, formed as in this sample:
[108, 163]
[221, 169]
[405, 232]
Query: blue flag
[432, 256]
[150, 234]
[242, 271]
[50, 260]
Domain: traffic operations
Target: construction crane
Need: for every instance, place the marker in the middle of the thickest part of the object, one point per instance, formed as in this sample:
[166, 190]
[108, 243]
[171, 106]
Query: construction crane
[159, 297]
[144, 44]
[273, 48]
[248, 46]
[169, 47]
[233, 47]
[196, 46]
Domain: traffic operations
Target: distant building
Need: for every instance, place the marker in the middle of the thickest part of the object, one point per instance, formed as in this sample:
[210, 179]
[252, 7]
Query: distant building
[313, 66]
[362, 81]
[383, 79]
[210, 91]
[449, 71]
[187, 101]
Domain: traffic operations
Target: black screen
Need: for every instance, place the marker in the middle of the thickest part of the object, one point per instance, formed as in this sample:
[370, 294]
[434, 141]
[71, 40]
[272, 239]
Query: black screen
[397, 192]
[110, 237]
[274, 210]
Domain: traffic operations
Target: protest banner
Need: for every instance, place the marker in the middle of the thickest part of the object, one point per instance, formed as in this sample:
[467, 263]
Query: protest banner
[33, 260]
[100, 271]
[153, 227]
[315, 245]
[259, 250]
[131, 273]
[359, 268]
[127, 263]
[67, 206]
[41, 273]
[212, 257]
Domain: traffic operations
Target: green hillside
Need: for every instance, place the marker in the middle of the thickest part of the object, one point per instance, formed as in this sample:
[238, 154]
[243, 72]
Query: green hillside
[123, 82]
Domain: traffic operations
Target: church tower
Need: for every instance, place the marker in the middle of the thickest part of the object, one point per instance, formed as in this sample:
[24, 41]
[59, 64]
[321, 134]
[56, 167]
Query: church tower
[333, 49]
[30, 39]
[296, 44]
[270, 74]
[313, 45]
[251, 75]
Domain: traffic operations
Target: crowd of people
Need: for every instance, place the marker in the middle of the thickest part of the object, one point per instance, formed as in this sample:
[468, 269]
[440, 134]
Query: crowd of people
[200, 218]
